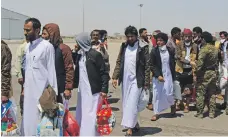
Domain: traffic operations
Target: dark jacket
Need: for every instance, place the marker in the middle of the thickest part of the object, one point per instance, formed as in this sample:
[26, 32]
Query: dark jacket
[156, 64]
[96, 70]
[63, 59]
[142, 63]
[100, 48]
[6, 58]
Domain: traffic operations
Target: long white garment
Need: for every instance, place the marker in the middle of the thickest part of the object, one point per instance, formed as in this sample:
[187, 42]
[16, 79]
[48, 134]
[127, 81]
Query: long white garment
[87, 103]
[163, 91]
[224, 82]
[225, 62]
[223, 73]
[40, 71]
[188, 53]
[130, 91]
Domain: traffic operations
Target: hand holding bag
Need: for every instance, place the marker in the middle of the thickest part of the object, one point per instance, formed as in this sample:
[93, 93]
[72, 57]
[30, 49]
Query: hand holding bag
[70, 125]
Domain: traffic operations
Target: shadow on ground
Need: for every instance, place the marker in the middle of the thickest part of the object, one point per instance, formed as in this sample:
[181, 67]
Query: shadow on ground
[168, 115]
[113, 100]
[147, 131]
[115, 109]
[217, 113]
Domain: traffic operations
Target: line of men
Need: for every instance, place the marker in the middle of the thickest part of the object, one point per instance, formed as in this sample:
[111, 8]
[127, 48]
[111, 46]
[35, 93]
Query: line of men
[44, 61]
[187, 46]
[47, 62]
[175, 64]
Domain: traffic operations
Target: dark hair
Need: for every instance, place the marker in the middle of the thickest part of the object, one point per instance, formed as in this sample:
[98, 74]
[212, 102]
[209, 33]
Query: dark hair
[224, 33]
[207, 37]
[175, 30]
[96, 30]
[197, 30]
[102, 33]
[163, 36]
[131, 30]
[141, 30]
[35, 23]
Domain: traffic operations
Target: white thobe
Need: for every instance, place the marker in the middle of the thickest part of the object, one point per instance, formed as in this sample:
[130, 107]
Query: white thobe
[87, 103]
[130, 91]
[224, 73]
[39, 73]
[163, 91]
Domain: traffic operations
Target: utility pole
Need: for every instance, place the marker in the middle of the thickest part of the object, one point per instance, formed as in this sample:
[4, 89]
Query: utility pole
[83, 12]
[140, 5]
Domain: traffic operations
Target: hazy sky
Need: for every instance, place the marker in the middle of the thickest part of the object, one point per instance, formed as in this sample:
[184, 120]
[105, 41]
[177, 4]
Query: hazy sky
[115, 15]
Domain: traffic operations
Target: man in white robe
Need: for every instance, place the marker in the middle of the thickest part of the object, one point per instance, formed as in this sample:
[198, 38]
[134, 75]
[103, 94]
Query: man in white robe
[133, 72]
[163, 68]
[223, 68]
[39, 73]
[91, 79]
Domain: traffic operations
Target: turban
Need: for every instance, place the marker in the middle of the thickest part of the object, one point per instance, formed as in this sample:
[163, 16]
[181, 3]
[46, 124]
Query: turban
[187, 32]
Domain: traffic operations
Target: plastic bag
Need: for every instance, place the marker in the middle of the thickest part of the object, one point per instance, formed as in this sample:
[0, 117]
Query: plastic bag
[8, 119]
[70, 125]
[51, 126]
[143, 100]
[106, 119]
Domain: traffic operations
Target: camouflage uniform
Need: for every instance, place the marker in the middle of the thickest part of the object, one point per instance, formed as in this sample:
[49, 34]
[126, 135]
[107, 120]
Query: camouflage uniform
[183, 66]
[6, 58]
[206, 68]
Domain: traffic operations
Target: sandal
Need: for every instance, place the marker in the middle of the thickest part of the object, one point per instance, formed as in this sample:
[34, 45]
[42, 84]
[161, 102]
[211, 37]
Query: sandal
[186, 110]
[128, 134]
[150, 107]
[178, 106]
[154, 118]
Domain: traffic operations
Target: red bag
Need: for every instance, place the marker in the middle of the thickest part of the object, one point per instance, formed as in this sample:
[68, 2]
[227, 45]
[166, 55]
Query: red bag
[105, 119]
[70, 125]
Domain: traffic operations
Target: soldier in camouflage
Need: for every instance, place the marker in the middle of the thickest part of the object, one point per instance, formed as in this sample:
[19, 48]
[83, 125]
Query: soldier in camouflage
[206, 67]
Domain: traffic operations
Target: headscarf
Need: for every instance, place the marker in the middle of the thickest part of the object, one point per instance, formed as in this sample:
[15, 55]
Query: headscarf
[54, 34]
[84, 41]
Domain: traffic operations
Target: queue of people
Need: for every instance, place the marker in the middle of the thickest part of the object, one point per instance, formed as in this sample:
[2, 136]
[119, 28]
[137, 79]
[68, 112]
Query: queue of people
[170, 68]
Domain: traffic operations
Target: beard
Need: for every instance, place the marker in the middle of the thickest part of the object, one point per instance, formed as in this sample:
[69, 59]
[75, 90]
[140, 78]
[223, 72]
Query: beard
[187, 43]
[30, 37]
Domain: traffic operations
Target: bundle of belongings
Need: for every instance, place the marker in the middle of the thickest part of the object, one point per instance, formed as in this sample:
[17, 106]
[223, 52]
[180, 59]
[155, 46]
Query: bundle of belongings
[8, 119]
[70, 125]
[51, 114]
[106, 119]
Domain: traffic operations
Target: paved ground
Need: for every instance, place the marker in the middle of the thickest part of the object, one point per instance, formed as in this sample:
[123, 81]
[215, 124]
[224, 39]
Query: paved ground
[182, 125]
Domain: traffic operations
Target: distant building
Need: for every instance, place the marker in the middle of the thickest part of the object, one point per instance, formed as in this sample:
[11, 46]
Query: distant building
[12, 24]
